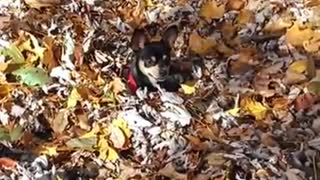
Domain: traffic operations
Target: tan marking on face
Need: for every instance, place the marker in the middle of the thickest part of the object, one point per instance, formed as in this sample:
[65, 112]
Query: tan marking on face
[153, 72]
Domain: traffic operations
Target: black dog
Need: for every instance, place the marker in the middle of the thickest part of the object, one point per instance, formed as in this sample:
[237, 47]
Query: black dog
[152, 66]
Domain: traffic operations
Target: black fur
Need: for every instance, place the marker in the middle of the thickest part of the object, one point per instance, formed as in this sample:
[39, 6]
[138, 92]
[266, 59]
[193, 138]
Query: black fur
[144, 50]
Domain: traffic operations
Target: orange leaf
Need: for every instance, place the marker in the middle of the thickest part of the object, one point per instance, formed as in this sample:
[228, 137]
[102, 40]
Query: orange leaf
[7, 163]
[212, 10]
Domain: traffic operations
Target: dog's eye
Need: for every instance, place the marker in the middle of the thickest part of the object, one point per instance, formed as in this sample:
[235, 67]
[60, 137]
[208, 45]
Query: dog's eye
[151, 61]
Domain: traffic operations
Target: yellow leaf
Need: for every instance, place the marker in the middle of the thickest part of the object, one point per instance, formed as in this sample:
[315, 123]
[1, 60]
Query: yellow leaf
[103, 148]
[296, 36]
[149, 3]
[200, 45]
[105, 151]
[211, 10]
[278, 24]
[254, 108]
[299, 66]
[33, 46]
[234, 112]
[49, 150]
[73, 98]
[188, 88]
[123, 125]
[112, 154]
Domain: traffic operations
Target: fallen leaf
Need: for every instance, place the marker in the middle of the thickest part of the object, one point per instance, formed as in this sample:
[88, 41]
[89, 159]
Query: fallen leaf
[215, 159]
[254, 108]
[188, 88]
[49, 150]
[299, 66]
[245, 16]
[106, 152]
[4, 22]
[14, 53]
[200, 45]
[235, 4]
[268, 140]
[304, 101]
[5, 89]
[294, 78]
[117, 86]
[123, 125]
[314, 87]
[170, 172]
[73, 98]
[42, 3]
[85, 142]
[60, 122]
[16, 133]
[7, 163]
[49, 59]
[32, 76]
[212, 10]
[117, 137]
[296, 36]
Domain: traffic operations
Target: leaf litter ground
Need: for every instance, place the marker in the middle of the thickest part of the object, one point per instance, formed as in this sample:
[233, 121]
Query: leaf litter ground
[65, 112]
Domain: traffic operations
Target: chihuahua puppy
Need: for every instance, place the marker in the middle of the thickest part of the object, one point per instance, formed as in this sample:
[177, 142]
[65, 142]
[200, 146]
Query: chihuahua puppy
[152, 66]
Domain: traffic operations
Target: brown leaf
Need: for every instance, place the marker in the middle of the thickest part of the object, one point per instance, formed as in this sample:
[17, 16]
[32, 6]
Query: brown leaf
[245, 16]
[49, 59]
[200, 45]
[268, 140]
[170, 172]
[196, 143]
[304, 101]
[43, 3]
[117, 86]
[60, 122]
[212, 10]
[235, 4]
[4, 22]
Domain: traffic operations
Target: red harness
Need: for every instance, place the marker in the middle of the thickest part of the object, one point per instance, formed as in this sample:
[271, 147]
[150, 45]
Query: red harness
[132, 83]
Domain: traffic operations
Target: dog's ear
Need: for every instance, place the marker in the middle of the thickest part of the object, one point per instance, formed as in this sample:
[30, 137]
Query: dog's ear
[138, 40]
[170, 35]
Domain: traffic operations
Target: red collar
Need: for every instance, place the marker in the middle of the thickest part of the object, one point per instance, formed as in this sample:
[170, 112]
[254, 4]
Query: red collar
[132, 83]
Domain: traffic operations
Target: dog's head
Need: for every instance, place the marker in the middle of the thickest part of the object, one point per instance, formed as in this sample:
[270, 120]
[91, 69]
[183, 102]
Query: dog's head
[153, 58]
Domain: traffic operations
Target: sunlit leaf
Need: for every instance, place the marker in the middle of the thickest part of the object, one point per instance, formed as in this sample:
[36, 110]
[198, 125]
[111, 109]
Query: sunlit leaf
[73, 98]
[123, 125]
[48, 150]
[299, 66]
[188, 88]
[254, 108]
[32, 76]
[14, 53]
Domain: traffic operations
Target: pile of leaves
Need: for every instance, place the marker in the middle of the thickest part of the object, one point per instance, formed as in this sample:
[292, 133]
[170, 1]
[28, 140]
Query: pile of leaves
[66, 113]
